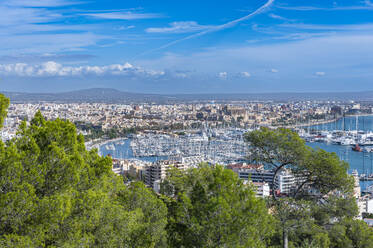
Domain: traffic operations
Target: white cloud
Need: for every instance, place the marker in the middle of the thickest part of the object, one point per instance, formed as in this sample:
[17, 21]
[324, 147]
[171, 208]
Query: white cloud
[43, 26]
[181, 75]
[179, 27]
[302, 36]
[28, 26]
[14, 16]
[367, 6]
[48, 43]
[302, 8]
[300, 31]
[123, 15]
[223, 75]
[277, 17]
[52, 68]
[358, 27]
[125, 27]
[368, 3]
[215, 28]
[39, 3]
[344, 57]
[245, 74]
[320, 73]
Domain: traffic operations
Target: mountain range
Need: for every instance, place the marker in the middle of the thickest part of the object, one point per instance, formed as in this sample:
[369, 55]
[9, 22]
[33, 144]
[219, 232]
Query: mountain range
[107, 95]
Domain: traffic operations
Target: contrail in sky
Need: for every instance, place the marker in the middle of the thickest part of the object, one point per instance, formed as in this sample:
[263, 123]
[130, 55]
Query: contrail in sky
[213, 29]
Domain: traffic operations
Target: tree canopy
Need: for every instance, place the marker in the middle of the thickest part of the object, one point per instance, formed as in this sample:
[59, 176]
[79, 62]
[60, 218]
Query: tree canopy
[4, 104]
[282, 148]
[209, 206]
[55, 193]
[321, 207]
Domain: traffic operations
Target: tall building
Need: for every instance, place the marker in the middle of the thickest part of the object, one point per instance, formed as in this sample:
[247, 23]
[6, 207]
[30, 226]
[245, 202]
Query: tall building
[357, 189]
[157, 171]
[284, 183]
[256, 176]
[262, 189]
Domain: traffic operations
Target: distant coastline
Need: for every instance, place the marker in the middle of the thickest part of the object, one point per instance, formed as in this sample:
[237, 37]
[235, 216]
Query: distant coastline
[359, 115]
[109, 95]
[314, 123]
[325, 121]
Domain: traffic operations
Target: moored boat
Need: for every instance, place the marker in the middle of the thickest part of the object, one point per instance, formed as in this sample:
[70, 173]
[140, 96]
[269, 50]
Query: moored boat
[357, 148]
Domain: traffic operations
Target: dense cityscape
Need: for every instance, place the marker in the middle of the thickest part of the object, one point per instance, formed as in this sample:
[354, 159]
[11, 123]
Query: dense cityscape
[185, 135]
[186, 124]
[105, 117]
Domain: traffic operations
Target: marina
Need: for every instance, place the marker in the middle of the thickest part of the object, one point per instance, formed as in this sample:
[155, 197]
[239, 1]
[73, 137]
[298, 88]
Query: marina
[348, 131]
[225, 146]
[351, 138]
[221, 146]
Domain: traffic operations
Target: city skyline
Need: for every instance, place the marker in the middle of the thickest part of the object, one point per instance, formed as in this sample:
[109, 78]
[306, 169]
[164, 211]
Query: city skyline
[186, 47]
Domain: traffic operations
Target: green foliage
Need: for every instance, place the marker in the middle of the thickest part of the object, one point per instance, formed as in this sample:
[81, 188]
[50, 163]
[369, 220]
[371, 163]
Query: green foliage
[325, 172]
[210, 207]
[283, 148]
[331, 224]
[351, 233]
[279, 147]
[334, 209]
[4, 104]
[151, 229]
[55, 193]
[367, 216]
[304, 216]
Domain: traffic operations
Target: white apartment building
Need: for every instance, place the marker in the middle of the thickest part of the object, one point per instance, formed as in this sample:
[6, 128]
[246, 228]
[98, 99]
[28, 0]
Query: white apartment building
[157, 171]
[120, 166]
[365, 205]
[262, 189]
[256, 176]
[285, 182]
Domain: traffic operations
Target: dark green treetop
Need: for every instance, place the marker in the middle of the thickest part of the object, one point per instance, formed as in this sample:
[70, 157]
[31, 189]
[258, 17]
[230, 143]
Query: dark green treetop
[55, 193]
[209, 206]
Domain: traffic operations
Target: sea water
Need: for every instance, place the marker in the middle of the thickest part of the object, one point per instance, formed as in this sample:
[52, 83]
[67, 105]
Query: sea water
[360, 161]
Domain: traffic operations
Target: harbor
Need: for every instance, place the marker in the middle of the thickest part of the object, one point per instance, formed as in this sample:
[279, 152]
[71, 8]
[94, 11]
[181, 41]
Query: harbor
[226, 145]
[354, 131]
[221, 146]
[351, 138]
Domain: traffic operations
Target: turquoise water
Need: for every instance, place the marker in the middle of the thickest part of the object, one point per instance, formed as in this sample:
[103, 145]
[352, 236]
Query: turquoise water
[124, 151]
[362, 162]
[364, 123]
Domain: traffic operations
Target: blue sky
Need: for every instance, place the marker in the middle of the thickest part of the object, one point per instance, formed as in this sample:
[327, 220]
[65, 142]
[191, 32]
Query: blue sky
[189, 46]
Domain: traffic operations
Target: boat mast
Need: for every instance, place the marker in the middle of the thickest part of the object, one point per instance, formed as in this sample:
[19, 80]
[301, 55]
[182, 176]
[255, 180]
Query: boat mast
[363, 163]
[357, 123]
[357, 126]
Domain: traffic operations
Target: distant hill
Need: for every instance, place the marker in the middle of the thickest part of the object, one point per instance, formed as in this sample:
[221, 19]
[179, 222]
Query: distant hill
[104, 95]
[323, 96]
[89, 95]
